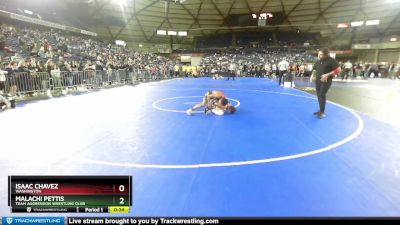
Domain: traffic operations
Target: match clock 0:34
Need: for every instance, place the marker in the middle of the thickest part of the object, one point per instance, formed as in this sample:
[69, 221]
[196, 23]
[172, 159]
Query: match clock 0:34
[118, 209]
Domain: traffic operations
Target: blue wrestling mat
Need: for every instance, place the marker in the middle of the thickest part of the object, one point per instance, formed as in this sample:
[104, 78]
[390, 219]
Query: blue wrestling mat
[271, 158]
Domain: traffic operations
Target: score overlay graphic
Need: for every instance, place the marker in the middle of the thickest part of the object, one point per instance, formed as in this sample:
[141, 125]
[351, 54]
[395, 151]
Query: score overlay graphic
[64, 194]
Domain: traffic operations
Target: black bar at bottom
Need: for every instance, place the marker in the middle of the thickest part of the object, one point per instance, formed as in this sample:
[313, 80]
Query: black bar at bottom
[221, 221]
[79, 209]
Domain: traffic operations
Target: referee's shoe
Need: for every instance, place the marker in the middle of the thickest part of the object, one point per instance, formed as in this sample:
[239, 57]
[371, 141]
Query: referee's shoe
[320, 114]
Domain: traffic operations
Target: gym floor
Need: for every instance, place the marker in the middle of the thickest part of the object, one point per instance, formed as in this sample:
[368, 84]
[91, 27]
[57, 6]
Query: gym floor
[271, 158]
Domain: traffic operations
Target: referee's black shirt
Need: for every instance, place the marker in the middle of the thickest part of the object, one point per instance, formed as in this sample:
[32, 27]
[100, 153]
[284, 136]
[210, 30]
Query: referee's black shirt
[324, 66]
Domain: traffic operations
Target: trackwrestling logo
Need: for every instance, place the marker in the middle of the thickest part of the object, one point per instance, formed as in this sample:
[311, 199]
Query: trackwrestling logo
[33, 220]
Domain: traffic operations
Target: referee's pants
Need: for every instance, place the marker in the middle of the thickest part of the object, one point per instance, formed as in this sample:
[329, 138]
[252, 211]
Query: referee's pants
[322, 88]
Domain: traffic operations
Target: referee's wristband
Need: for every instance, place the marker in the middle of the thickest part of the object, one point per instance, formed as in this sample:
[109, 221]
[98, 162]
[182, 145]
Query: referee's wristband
[335, 71]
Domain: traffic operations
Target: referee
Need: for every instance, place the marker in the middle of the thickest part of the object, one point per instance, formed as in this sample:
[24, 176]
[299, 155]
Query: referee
[283, 67]
[324, 71]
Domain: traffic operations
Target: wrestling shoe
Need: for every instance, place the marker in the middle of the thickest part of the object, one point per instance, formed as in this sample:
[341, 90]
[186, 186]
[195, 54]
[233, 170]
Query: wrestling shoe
[207, 110]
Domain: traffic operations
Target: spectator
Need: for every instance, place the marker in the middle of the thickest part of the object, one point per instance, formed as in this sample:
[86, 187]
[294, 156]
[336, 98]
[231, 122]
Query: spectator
[283, 67]
[391, 70]
[348, 68]
[55, 74]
